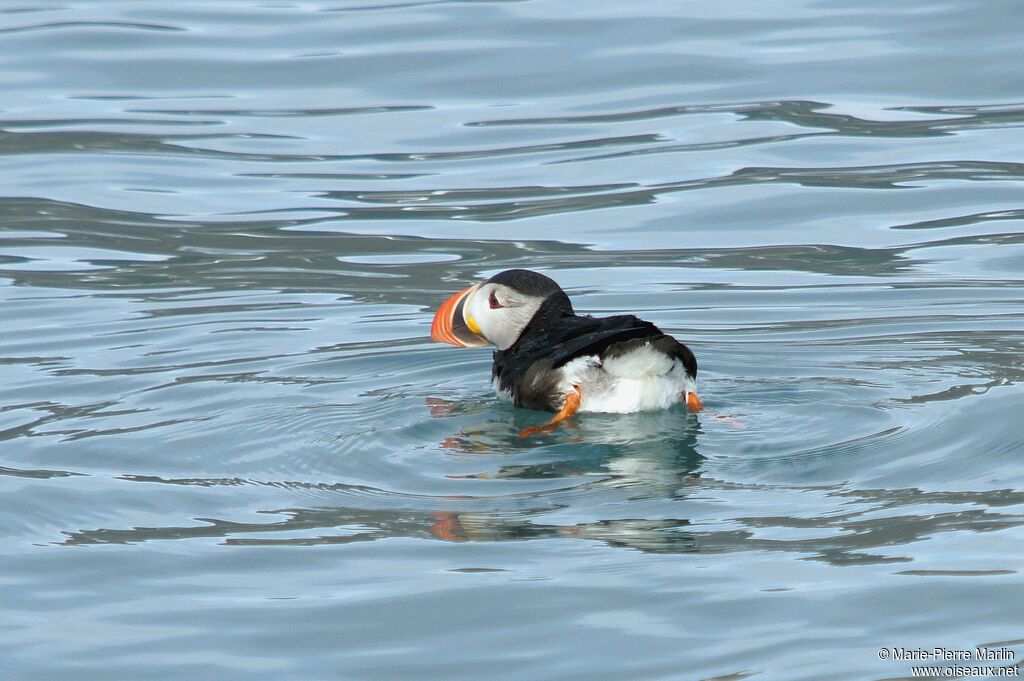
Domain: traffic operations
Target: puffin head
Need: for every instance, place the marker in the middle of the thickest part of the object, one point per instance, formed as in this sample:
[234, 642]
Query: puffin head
[493, 312]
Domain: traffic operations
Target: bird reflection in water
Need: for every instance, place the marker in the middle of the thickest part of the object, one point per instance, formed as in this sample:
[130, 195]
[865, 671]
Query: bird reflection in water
[650, 536]
[645, 455]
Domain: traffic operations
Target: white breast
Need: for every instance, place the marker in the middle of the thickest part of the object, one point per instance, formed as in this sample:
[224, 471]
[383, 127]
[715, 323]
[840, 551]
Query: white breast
[642, 380]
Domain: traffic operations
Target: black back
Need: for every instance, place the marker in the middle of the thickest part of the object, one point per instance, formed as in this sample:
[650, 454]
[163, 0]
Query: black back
[556, 336]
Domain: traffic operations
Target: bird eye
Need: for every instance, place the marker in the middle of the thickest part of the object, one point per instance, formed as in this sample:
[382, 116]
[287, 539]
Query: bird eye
[492, 300]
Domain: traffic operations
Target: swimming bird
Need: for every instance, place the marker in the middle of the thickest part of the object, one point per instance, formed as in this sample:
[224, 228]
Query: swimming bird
[552, 359]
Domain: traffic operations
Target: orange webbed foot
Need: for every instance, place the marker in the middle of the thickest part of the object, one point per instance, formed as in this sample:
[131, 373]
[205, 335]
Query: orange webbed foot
[696, 404]
[571, 406]
[536, 430]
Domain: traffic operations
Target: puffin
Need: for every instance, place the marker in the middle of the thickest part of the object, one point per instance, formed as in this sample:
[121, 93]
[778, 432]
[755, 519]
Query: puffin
[551, 359]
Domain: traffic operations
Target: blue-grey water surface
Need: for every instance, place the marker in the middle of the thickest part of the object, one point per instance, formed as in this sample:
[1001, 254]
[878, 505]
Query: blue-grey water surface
[229, 450]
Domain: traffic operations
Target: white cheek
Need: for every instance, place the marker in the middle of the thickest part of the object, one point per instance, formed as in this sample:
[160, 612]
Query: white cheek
[501, 326]
[498, 328]
[481, 313]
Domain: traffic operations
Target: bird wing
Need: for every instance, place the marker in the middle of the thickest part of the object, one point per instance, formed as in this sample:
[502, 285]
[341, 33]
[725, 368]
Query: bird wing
[597, 337]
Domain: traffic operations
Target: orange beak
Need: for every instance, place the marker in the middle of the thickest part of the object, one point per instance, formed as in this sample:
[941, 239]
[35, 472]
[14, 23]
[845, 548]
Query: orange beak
[450, 326]
[694, 402]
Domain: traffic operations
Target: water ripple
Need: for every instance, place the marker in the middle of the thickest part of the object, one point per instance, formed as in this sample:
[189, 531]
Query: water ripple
[225, 229]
